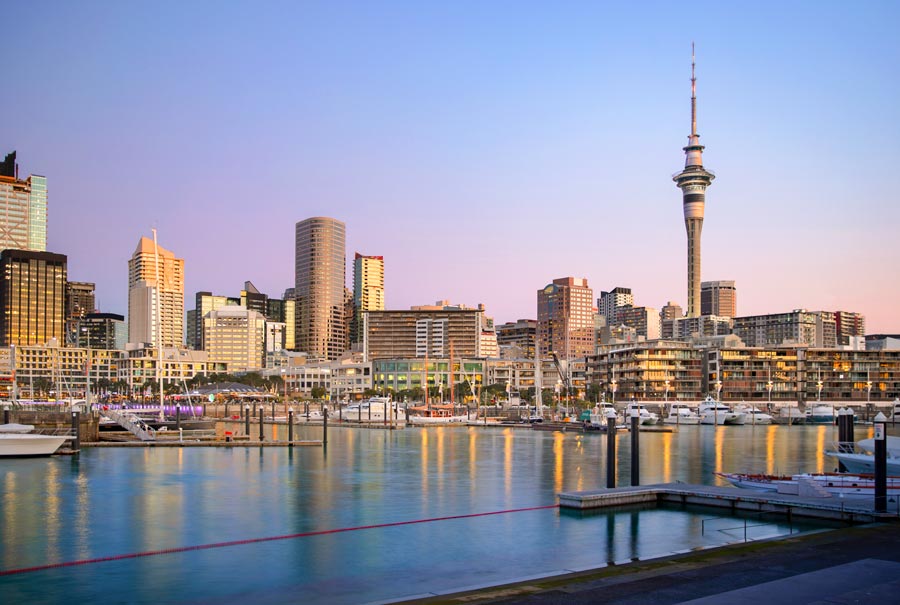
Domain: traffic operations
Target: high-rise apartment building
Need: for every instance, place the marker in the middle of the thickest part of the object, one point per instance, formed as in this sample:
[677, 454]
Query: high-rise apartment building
[32, 297]
[849, 325]
[671, 310]
[436, 333]
[718, 298]
[368, 290]
[204, 302]
[155, 296]
[79, 302]
[565, 318]
[693, 181]
[319, 278]
[236, 336]
[644, 320]
[610, 302]
[23, 208]
[102, 331]
[520, 334]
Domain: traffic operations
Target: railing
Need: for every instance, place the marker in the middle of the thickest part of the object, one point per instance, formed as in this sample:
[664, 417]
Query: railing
[745, 525]
[132, 424]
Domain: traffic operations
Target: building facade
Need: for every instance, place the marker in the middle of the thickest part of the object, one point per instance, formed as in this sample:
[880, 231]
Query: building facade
[32, 297]
[565, 323]
[520, 334]
[798, 327]
[718, 298]
[644, 320]
[609, 303]
[235, 336]
[155, 296]
[102, 331]
[419, 333]
[319, 277]
[653, 371]
[368, 291]
[23, 208]
[79, 302]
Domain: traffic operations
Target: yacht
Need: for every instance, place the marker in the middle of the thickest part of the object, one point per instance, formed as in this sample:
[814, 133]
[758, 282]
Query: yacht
[752, 414]
[17, 440]
[716, 412]
[862, 458]
[820, 413]
[681, 413]
[646, 416]
[789, 413]
[375, 409]
[600, 412]
[439, 413]
[895, 411]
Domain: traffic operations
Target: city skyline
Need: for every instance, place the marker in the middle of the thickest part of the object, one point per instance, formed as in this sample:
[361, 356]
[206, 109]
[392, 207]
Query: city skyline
[482, 158]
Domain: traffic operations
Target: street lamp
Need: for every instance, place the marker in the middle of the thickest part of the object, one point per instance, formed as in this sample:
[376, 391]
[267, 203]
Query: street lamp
[819, 386]
[614, 386]
[284, 386]
[769, 386]
[667, 391]
[868, 392]
[718, 390]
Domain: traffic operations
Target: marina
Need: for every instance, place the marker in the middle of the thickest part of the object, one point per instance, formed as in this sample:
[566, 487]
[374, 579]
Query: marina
[333, 523]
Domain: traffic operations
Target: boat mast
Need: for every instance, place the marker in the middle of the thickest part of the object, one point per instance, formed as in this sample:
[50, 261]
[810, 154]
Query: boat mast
[538, 378]
[159, 355]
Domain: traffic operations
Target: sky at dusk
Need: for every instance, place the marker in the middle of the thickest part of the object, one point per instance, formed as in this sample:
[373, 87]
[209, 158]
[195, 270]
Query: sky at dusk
[483, 148]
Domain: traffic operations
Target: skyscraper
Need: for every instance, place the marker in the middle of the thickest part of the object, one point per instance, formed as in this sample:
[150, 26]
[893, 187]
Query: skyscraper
[23, 208]
[718, 298]
[566, 318]
[320, 273]
[32, 297]
[693, 181]
[615, 299]
[155, 276]
[368, 290]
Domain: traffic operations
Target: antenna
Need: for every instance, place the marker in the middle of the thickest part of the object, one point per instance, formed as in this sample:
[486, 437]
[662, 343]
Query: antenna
[693, 94]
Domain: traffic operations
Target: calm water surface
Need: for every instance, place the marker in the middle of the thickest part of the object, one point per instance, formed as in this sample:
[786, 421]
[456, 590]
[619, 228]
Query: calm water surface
[115, 501]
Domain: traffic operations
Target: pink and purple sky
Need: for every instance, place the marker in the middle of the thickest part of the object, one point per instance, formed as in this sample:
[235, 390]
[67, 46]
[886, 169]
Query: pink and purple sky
[483, 149]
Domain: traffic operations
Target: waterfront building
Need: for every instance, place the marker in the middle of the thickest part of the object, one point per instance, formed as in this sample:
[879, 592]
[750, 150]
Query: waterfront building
[368, 291]
[102, 331]
[693, 181]
[644, 320]
[155, 278]
[798, 327]
[348, 378]
[236, 336]
[746, 372]
[23, 208]
[319, 277]
[566, 318]
[400, 376]
[521, 334]
[718, 298]
[274, 309]
[32, 297]
[418, 333]
[179, 365]
[62, 372]
[610, 302]
[641, 371]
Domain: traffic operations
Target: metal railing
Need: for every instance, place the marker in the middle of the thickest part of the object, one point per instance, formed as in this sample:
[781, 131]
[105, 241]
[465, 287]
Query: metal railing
[745, 524]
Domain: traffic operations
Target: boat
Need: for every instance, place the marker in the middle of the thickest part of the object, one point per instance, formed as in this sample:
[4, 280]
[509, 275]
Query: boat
[599, 415]
[716, 412]
[861, 457]
[375, 409]
[842, 485]
[437, 413]
[681, 413]
[895, 411]
[820, 413]
[789, 413]
[18, 440]
[752, 414]
[646, 416]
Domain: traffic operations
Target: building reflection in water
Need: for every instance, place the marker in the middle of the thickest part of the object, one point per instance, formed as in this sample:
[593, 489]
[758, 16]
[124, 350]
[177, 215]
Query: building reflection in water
[507, 463]
[771, 431]
[558, 458]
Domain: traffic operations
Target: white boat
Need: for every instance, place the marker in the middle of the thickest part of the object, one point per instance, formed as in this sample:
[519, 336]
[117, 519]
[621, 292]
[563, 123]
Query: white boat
[789, 413]
[600, 412]
[646, 416]
[681, 413]
[862, 458]
[375, 409]
[716, 412]
[820, 413]
[895, 411]
[752, 414]
[842, 485]
[438, 413]
[17, 440]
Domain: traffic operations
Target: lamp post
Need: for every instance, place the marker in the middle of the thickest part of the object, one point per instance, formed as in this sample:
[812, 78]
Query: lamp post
[868, 392]
[718, 401]
[769, 386]
[667, 391]
[614, 386]
[284, 386]
[819, 386]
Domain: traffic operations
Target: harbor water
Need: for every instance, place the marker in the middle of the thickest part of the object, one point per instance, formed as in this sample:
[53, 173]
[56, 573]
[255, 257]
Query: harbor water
[378, 515]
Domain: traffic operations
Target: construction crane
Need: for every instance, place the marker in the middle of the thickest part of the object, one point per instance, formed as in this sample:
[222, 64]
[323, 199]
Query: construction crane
[563, 376]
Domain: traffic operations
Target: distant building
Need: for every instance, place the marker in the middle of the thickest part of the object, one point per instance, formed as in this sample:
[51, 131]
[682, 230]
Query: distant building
[79, 302]
[797, 327]
[155, 275]
[417, 334]
[235, 336]
[687, 328]
[521, 334]
[23, 209]
[32, 297]
[565, 318]
[718, 298]
[102, 331]
[368, 290]
[610, 302]
[671, 310]
[204, 303]
[849, 325]
[882, 342]
[319, 277]
[644, 320]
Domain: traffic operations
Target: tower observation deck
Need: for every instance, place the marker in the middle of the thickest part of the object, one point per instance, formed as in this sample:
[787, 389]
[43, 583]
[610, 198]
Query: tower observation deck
[693, 181]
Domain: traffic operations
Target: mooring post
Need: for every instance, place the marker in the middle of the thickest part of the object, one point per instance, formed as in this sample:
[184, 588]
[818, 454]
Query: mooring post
[76, 430]
[247, 419]
[324, 426]
[6, 415]
[851, 430]
[610, 449]
[291, 426]
[880, 464]
[178, 417]
[635, 447]
[261, 424]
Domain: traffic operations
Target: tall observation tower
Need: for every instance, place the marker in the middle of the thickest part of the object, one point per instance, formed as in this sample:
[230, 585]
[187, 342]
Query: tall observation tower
[693, 181]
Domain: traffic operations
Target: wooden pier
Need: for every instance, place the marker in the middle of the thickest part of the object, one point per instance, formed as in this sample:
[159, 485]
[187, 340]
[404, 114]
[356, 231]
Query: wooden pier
[850, 510]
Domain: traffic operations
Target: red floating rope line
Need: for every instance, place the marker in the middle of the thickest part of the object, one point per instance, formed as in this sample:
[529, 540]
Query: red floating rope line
[324, 532]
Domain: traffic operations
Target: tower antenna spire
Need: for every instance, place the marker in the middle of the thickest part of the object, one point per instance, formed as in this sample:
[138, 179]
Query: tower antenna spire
[693, 94]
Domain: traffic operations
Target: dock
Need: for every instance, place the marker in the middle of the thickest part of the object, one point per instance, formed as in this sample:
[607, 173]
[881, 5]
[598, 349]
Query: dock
[849, 510]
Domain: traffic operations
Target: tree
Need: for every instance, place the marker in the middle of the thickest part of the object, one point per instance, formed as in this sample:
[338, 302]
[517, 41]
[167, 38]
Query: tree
[463, 389]
[318, 392]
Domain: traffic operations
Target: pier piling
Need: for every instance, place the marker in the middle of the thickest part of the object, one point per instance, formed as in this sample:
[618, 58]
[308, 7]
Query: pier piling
[610, 449]
[262, 437]
[324, 426]
[291, 426]
[5, 415]
[880, 423]
[178, 417]
[247, 420]
[76, 430]
[635, 448]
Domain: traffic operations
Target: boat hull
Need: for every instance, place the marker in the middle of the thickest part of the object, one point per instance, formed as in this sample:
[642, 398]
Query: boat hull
[28, 446]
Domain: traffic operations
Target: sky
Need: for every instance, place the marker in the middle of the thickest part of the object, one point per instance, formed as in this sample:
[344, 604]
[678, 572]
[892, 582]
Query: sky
[483, 148]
